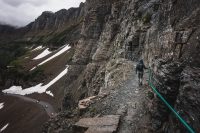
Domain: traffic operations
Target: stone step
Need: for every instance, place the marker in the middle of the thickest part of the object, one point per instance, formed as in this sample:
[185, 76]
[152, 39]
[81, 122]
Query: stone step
[105, 124]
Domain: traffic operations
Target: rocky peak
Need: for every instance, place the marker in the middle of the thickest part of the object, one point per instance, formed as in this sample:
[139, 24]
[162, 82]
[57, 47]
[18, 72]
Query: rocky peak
[49, 21]
[7, 32]
[6, 28]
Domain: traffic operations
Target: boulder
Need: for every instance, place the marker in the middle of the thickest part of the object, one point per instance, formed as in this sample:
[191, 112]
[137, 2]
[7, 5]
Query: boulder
[105, 124]
[83, 104]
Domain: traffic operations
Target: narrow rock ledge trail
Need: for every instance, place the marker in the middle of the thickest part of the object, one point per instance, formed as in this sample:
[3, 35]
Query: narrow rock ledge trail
[132, 100]
[129, 101]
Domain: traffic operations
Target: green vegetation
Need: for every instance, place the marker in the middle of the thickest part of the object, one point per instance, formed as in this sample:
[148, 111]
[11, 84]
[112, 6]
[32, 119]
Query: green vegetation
[93, 110]
[17, 73]
[10, 64]
[146, 18]
[150, 95]
[60, 38]
[10, 52]
[57, 37]
[34, 75]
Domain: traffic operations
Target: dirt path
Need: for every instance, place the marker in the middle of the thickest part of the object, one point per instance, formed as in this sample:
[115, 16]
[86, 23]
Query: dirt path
[133, 107]
[47, 107]
[129, 100]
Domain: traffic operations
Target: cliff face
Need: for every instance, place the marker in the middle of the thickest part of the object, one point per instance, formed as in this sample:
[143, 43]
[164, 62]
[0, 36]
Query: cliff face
[56, 28]
[164, 33]
[50, 21]
[171, 48]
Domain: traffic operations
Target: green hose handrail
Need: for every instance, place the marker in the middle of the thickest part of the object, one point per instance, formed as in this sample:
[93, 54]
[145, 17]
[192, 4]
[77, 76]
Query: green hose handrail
[168, 105]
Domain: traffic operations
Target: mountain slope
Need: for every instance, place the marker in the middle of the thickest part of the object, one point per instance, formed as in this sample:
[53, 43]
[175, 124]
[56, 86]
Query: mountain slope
[105, 35]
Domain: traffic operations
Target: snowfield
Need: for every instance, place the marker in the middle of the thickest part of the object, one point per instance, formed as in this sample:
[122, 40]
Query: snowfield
[3, 128]
[63, 50]
[50, 93]
[1, 105]
[43, 54]
[36, 89]
[33, 68]
[38, 48]
[67, 47]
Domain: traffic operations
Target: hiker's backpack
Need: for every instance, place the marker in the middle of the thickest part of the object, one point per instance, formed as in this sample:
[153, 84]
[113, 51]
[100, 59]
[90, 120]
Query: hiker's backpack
[140, 67]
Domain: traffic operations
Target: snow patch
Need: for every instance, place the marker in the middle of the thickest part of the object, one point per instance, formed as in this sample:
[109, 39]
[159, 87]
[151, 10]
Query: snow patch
[3, 128]
[35, 89]
[49, 93]
[38, 48]
[67, 47]
[43, 54]
[1, 105]
[33, 68]
[63, 50]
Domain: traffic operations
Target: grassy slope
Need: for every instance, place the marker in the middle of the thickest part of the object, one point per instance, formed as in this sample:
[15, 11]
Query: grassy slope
[45, 73]
[68, 33]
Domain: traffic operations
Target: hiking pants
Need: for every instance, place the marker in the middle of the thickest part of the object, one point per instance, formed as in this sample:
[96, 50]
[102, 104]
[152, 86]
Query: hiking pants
[140, 75]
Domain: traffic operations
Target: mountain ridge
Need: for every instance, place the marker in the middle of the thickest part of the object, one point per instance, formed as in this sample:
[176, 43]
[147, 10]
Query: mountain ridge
[46, 24]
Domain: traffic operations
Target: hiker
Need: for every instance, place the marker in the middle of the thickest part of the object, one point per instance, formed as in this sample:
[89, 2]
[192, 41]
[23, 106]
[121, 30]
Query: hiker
[140, 70]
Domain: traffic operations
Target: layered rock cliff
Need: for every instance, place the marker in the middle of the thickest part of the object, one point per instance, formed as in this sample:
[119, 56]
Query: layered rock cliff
[164, 33]
[171, 48]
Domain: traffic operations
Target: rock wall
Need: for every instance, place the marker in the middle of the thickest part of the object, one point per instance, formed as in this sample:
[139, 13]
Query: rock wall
[170, 48]
[49, 21]
[164, 33]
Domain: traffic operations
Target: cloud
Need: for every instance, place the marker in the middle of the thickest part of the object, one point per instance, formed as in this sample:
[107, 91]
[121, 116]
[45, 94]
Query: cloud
[22, 12]
[16, 3]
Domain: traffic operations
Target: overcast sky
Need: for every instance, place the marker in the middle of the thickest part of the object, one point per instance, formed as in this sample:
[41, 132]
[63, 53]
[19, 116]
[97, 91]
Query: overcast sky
[22, 12]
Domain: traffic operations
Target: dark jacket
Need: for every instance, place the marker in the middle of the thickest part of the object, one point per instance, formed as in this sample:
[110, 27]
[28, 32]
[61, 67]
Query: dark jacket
[140, 66]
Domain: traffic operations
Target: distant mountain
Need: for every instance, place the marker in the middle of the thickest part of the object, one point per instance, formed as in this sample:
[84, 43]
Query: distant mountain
[7, 32]
[4, 29]
[56, 21]
[48, 28]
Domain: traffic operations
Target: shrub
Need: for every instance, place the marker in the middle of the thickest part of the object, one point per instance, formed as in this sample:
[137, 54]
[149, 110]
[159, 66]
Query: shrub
[34, 75]
[146, 18]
